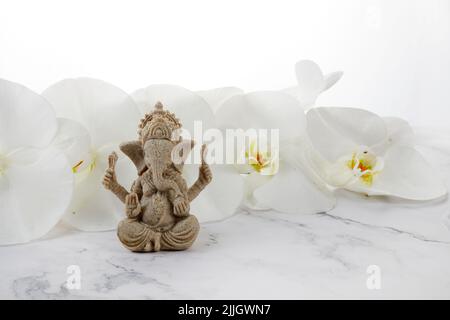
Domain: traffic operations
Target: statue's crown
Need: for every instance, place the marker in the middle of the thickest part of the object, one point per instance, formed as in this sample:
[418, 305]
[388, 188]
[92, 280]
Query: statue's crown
[159, 124]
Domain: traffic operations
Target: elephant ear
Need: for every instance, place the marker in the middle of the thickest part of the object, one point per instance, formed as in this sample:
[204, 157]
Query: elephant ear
[180, 152]
[134, 151]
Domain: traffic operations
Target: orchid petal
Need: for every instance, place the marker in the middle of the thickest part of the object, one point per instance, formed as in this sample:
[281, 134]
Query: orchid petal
[406, 174]
[215, 97]
[339, 175]
[290, 190]
[301, 154]
[263, 110]
[108, 113]
[335, 132]
[399, 132]
[309, 77]
[221, 197]
[74, 140]
[310, 83]
[331, 79]
[23, 156]
[253, 181]
[26, 118]
[33, 196]
[94, 208]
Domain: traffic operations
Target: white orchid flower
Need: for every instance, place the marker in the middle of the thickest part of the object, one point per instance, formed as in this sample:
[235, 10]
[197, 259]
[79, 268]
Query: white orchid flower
[279, 183]
[311, 82]
[223, 195]
[215, 97]
[95, 118]
[357, 150]
[35, 181]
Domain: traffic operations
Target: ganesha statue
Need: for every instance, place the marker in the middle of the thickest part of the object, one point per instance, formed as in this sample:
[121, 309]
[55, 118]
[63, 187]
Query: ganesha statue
[158, 206]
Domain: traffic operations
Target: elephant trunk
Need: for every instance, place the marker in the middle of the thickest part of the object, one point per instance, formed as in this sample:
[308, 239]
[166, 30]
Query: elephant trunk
[161, 183]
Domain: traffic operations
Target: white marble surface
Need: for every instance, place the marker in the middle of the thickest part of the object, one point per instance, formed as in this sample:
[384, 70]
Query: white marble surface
[266, 255]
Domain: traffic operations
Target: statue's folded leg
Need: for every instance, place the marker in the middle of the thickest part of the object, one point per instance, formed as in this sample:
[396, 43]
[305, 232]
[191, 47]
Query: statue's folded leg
[137, 236]
[182, 235]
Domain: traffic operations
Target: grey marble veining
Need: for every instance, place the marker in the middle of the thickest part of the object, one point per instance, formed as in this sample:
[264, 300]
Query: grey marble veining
[267, 255]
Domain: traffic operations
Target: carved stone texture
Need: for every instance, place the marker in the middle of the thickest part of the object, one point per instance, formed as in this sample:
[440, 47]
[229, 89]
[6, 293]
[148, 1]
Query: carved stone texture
[157, 207]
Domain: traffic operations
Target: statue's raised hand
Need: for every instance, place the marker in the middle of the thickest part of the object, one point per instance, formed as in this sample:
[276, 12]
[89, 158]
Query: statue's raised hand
[110, 179]
[205, 174]
[132, 205]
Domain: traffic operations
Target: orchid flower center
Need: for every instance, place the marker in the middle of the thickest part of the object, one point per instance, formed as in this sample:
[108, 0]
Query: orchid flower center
[261, 160]
[76, 167]
[365, 165]
[81, 168]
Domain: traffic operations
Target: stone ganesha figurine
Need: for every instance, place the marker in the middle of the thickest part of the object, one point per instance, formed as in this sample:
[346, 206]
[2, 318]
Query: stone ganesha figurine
[157, 207]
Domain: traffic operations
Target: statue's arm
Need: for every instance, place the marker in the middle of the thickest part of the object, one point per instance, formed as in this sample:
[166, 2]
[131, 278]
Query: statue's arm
[110, 179]
[204, 178]
[120, 192]
[110, 183]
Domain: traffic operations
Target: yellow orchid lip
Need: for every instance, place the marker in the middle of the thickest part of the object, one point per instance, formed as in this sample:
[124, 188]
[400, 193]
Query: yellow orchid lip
[259, 161]
[77, 166]
[365, 165]
[262, 162]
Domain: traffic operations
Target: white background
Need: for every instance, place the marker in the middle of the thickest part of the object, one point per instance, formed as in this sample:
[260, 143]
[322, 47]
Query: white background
[395, 54]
